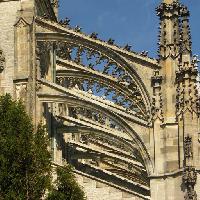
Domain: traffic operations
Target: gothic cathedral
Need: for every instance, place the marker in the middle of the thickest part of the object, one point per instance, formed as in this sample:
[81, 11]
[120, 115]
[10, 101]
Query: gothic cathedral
[129, 124]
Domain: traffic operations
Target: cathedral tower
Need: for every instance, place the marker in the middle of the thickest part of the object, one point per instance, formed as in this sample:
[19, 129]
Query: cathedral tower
[176, 122]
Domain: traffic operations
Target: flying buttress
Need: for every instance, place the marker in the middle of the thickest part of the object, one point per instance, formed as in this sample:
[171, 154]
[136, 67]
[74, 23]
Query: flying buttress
[89, 93]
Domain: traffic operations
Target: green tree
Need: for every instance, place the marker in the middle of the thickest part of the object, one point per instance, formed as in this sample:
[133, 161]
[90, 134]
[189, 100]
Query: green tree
[25, 162]
[66, 187]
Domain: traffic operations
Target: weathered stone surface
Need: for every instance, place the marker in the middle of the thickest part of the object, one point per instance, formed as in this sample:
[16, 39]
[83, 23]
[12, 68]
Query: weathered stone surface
[129, 124]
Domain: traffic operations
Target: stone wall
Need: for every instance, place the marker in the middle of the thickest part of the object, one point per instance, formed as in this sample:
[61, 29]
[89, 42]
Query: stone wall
[99, 190]
[170, 187]
[8, 13]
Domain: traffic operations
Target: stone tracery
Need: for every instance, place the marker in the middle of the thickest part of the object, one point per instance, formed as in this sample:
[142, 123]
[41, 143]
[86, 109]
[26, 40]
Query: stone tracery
[118, 116]
[129, 97]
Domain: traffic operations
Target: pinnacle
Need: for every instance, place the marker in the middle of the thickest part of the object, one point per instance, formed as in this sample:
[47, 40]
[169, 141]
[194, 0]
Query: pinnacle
[170, 1]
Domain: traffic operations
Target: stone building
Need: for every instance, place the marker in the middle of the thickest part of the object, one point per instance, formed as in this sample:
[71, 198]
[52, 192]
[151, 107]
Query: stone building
[129, 124]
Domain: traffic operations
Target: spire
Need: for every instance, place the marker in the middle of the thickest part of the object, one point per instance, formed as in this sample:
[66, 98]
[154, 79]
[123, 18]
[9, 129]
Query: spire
[169, 54]
[185, 32]
[169, 41]
[175, 53]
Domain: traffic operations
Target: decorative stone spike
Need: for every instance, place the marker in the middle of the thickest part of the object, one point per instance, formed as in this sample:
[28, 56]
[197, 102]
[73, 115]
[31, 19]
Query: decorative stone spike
[45, 16]
[111, 41]
[195, 61]
[127, 47]
[66, 21]
[55, 3]
[78, 28]
[157, 104]
[61, 23]
[185, 32]
[144, 53]
[94, 35]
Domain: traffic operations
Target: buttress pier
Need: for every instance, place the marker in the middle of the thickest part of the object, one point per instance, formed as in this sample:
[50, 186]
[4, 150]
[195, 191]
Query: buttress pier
[128, 123]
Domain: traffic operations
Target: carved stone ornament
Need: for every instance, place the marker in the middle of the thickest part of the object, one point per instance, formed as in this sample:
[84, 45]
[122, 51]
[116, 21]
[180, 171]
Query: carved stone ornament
[111, 41]
[78, 29]
[188, 147]
[180, 41]
[187, 95]
[189, 176]
[144, 53]
[127, 47]
[43, 47]
[2, 61]
[98, 117]
[157, 101]
[130, 97]
[184, 11]
[65, 22]
[21, 91]
[55, 3]
[191, 194]
[168, 10]
[94, 35]
[190, 179]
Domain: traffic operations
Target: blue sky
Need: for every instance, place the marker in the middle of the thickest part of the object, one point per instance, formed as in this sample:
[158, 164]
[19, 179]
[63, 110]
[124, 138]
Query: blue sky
[127, 21]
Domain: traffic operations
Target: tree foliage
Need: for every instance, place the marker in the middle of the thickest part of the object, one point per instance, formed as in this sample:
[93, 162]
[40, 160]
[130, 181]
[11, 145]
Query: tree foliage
[25, 162]
[66, 187]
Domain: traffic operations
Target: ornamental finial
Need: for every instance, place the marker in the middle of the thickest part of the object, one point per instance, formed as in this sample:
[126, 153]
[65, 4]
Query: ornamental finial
[170, 1]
